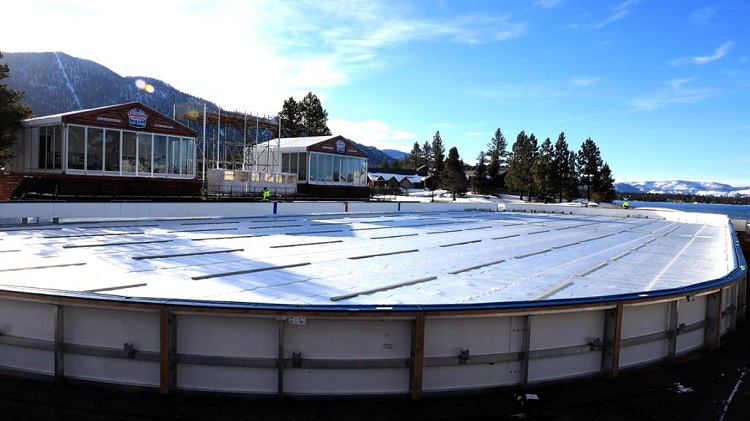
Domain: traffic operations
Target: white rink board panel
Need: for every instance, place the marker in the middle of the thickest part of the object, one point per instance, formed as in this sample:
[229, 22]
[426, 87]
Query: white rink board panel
[111, 328]
[301, 381]
[471, 376]
[643, 354]
[27, 319]
[690, 341]
[641, 320]
[549, 369]
[557, 330]
[38, 361]
[446, 337]
[227, 379]
[728, 305]
[332, 339]
[692, 311]
[227, 336]
[101, 369]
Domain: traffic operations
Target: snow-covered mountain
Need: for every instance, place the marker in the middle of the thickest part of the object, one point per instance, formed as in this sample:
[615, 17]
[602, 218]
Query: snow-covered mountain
[698, 188]
[396, 154]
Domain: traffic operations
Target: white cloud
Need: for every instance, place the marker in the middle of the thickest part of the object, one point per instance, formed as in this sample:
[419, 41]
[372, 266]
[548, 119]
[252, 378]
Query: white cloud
[583, 81]
[621, 11]
[373, 133]
[548, 4]
[701, 15]
[719, 53]
[676, 91]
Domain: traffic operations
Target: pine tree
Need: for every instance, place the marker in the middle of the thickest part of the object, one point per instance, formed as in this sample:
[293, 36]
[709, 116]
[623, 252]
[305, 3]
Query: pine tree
[415, 156]
[496, 152]
[521, 163]
[480, 181]
[588, 165]
[291, 119]
[438, 156]
[453, 178]
[543, 170]
[12, 111]
[314, 116]
[604, 187]
[427, 153]
[563, 171]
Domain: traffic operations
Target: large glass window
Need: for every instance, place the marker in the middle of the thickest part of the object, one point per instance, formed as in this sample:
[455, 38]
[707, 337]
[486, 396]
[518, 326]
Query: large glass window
[118, 151]
[129, 147]
[94, 148]
[314, 166]
[144, 153]
[188, 156]
[175, 154]
[112, 150]
[295, 163]
[76, 147]
[285, 166]
[336, 168]
[328, 168]
[160, 154]
[47, 150]
[302, 170]
[58, 131]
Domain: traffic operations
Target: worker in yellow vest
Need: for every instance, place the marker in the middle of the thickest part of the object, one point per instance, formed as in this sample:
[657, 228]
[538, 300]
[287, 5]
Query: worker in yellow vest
[625, 204]
[266, 194]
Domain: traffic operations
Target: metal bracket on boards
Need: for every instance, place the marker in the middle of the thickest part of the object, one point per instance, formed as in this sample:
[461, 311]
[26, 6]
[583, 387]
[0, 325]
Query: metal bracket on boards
[463, 357]
[296, 359]
[297, 320]
[129, 350]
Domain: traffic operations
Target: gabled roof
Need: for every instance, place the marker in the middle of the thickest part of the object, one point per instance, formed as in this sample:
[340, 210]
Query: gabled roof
[119, 117]
[301, 142]
[326, 144]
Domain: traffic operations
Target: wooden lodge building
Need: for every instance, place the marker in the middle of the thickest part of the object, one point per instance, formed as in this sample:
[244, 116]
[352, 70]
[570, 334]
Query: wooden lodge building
[315, 167]
[120, 152]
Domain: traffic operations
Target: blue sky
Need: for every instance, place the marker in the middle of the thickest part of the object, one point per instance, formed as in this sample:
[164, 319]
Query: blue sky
[662, 87]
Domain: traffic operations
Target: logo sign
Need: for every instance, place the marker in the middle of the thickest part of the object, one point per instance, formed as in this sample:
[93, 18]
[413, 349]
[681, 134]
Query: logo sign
[137, 118]
[340, 146]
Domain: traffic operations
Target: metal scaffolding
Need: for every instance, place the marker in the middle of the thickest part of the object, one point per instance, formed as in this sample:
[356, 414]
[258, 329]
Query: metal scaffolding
[230, 140]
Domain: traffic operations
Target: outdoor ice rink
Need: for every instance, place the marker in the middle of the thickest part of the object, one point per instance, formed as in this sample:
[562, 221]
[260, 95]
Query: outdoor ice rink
[380, 259]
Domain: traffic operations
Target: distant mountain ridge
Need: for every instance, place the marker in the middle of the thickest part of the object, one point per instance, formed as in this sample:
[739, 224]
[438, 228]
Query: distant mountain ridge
[55, 83]
[696, 188]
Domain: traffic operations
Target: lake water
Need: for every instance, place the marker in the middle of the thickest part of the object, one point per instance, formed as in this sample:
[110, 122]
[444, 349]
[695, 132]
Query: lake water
[732, 211]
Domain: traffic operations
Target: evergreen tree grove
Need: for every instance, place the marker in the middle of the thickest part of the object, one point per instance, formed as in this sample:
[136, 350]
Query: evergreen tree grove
[304, 118]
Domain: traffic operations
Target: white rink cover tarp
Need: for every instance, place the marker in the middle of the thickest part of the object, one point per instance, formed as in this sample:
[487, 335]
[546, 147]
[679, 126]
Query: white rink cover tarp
[367, 259]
